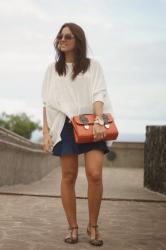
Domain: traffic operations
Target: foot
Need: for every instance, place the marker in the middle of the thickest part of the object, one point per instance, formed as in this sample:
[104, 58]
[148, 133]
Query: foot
[92, 231]
[72, 237]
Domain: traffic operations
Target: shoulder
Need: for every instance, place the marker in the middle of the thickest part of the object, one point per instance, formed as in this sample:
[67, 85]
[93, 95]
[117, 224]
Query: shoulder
[50, 66]
[95, 64]
[49, 69]
[48, 72]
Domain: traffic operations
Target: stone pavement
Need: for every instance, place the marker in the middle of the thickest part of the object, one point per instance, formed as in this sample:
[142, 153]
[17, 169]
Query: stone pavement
[131, 217]
[118, 183]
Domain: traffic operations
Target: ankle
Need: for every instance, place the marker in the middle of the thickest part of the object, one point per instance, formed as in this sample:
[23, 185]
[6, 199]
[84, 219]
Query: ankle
[73, 227]
[92, 225]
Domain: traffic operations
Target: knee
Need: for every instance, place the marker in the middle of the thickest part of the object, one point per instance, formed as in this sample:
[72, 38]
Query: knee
[69, 178]
[95, 177]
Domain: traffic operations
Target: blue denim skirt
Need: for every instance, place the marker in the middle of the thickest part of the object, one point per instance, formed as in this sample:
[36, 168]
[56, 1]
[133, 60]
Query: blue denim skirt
[68, 145]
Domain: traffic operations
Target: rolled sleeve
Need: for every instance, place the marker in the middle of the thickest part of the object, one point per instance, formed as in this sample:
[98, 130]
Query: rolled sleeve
[99, 96]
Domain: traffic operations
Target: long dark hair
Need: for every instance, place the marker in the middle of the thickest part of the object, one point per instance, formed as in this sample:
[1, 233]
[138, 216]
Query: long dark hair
[81, 62]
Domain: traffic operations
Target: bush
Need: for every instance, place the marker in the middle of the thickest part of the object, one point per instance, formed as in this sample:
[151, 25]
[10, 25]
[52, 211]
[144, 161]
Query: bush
[19, 123]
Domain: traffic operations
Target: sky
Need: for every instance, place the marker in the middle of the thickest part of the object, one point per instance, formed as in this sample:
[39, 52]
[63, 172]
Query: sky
[127, 37]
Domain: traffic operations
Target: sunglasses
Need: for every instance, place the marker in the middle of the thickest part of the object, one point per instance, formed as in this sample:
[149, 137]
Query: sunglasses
[66, 37]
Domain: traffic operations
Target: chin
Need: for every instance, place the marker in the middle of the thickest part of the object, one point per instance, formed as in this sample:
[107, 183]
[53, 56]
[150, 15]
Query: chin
[63, 49]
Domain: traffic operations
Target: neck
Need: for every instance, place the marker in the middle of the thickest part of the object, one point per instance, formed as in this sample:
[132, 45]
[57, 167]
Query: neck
[69, 57]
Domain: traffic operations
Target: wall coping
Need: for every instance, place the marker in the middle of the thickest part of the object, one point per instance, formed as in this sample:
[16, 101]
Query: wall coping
[128, 145]
[10, 135]
[4, 144]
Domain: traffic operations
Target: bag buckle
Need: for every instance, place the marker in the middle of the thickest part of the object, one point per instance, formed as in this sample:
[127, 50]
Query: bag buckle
[84, 120]
[105, 118]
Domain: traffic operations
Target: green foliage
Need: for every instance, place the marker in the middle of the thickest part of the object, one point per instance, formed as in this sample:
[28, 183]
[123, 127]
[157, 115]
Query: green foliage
[19, 123]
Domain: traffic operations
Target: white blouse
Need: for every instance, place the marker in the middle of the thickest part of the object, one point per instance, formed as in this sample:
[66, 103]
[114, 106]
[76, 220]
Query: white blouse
[64, 97]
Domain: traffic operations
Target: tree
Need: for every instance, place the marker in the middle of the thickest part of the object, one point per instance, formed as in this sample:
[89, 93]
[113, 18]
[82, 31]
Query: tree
[19, 123]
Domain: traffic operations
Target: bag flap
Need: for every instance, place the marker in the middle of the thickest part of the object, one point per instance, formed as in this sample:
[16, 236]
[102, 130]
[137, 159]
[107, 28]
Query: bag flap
[90, 118]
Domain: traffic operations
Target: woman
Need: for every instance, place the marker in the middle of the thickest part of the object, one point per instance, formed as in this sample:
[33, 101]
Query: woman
[73, 85]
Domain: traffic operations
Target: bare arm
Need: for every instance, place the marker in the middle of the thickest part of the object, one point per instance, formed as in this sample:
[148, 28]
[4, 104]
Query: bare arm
[98, 108]
[98, 131]
[47, 142]
[45, 123]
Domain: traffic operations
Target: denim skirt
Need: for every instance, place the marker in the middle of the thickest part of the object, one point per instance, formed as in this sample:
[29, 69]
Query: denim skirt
[68, 145]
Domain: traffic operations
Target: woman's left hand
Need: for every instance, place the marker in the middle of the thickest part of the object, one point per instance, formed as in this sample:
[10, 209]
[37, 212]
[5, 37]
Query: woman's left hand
[98, 132]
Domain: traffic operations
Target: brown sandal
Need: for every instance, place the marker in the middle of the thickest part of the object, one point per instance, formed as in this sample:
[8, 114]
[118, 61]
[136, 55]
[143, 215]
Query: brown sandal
[94, 241]
[70, 238]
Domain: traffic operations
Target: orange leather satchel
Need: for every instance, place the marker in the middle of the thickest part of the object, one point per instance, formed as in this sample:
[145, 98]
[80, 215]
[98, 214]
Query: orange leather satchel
[83, 127]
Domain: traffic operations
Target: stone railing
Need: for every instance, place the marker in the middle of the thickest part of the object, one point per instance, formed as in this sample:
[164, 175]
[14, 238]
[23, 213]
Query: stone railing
[155, 158]
[22, 161]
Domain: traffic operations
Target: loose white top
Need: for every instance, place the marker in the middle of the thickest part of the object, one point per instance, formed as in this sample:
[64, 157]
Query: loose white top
[62, 96]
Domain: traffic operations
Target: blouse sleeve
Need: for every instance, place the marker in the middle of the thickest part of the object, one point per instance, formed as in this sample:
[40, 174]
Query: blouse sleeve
[45, 85]
[99, 88]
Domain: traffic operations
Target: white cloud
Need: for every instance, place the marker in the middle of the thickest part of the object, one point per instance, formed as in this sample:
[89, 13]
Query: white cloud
[20, 10]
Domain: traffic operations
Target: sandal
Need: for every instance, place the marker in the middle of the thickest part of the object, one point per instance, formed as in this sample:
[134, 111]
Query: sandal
[71, 238]
[94, 241]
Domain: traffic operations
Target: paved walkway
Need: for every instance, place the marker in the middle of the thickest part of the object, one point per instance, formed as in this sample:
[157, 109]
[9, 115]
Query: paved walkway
[132, 218]
[119, 184]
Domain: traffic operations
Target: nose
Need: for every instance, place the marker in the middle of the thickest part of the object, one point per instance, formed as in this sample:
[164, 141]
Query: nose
[63, 39]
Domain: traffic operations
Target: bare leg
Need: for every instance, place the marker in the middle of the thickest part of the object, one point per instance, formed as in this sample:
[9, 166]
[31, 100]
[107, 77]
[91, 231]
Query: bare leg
[69, 166]
[93, 167]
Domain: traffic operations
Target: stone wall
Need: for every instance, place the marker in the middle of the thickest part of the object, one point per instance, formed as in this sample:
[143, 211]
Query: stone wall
[22, 161]
[123, 155]
[155, 158]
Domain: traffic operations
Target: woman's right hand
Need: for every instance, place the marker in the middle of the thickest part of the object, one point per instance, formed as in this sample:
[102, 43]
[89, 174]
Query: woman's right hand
[47, 142]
